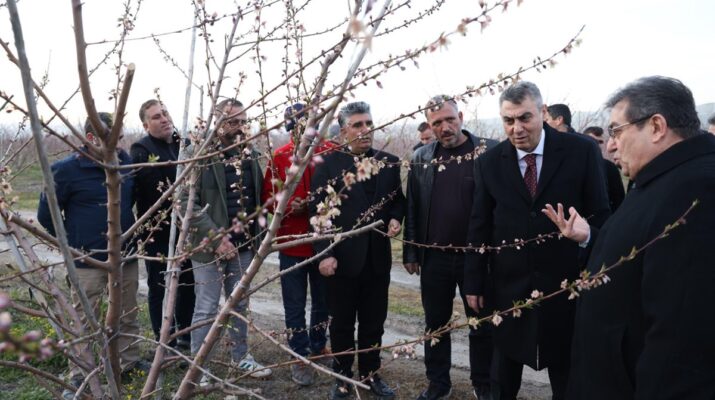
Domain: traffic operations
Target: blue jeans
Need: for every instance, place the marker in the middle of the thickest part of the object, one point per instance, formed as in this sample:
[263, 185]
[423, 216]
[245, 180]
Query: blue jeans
[209, 278]
[294, 287]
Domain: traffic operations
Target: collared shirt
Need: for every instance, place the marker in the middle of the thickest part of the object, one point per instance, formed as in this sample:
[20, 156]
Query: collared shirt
[539, 151]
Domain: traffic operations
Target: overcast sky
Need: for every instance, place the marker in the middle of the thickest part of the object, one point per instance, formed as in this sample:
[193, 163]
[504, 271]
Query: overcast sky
[623, 40]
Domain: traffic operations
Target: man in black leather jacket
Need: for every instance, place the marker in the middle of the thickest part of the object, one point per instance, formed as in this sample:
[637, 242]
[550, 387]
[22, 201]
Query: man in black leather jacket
[439, 202]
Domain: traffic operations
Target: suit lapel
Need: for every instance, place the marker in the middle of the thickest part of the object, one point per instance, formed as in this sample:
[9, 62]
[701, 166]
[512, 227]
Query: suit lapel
[553, 156]
[513, 173]
[347, 163]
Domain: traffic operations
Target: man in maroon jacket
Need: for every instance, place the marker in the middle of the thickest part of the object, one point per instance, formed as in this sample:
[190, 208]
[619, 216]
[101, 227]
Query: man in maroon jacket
[294, 285]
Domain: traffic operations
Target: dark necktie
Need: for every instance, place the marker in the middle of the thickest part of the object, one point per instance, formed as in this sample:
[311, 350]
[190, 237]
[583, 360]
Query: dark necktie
[530, 174]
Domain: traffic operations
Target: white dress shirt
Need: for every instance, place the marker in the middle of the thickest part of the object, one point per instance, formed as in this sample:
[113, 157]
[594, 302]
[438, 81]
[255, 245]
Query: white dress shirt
[539, 151]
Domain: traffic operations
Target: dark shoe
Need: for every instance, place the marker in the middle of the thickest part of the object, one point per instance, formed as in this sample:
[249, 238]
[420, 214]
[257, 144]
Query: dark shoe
[302, 374]
[340, 390]
[326, 360]
[482, 392]
[434, 392]
[379, 388]
[139, 368]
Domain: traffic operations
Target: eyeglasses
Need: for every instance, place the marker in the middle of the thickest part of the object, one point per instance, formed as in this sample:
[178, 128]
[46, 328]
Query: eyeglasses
[361, 124]
[236, 122]
[615, 131]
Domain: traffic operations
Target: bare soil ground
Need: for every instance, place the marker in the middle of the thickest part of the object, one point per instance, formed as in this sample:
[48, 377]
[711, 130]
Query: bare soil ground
[405, 321]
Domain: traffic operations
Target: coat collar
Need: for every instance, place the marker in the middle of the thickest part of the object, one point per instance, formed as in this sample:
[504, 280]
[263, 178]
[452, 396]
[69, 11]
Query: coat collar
[683, 151]
[553, 156]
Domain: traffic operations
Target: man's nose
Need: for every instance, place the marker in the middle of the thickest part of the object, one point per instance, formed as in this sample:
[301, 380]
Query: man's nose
[611, 145]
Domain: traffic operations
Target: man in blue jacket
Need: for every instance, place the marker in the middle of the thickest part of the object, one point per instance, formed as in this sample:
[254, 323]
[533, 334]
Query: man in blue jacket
[82, 198]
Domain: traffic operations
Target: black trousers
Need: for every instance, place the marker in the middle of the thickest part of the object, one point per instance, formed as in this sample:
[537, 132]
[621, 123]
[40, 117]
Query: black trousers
[507, 373]
[362, 299]
[443, 272]
[184, 297]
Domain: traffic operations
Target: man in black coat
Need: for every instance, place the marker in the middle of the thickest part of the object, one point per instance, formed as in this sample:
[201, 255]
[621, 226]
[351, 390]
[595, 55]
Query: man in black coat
[358, 268]
[439, 200]
[160, 144]
[558, 116]
[514, 181]
[648, 332]
[616, 191]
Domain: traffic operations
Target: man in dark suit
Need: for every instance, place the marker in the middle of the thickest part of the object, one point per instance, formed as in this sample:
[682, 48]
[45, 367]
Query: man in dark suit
[358, 268]
[439, 200]
[648, 333]
[514, 181]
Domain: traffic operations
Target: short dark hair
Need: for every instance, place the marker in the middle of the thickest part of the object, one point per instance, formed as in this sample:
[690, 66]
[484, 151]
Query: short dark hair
[423, 126]
[519, 91]
[350, 109]
[145, 106]
[560, 110]
[105, 117]
[711, 120]
[593, 130]
[226, 103]
[662, 95]
[435, 103]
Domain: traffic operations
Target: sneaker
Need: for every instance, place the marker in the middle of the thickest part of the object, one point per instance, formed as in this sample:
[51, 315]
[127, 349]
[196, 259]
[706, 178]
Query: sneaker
[205, 380]
[326, 360]
[250, 366]
[482, 392]
[302, 374]
[183, 345]
[434, 392]
[75, 381]
[379, 388]
[340, 390]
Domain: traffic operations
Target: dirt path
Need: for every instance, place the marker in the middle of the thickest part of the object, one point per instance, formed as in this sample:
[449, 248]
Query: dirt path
[407, 376]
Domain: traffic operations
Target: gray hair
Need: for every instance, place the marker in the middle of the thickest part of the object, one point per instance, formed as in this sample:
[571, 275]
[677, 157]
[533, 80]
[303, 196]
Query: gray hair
[668, 97]
[435, 103]
[521, 90]
[350, 109]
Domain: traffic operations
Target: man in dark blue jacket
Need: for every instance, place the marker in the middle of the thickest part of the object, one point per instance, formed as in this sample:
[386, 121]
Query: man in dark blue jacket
[82, 197]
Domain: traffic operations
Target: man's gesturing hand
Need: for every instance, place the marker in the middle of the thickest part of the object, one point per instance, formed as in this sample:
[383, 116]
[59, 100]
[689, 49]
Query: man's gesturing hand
[394, 228]
[575, 228]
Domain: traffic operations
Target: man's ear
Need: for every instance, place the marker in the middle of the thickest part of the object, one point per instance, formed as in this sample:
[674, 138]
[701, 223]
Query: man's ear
[660, 128]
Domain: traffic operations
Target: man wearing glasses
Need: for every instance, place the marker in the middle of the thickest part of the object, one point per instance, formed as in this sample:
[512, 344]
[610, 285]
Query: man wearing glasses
[513, 182]
[228, 190]
[358, 268]
[647, 333]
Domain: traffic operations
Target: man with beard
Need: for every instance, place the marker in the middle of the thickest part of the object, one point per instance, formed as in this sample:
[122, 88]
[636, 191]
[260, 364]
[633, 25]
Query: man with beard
[439, 200]
[230, 186]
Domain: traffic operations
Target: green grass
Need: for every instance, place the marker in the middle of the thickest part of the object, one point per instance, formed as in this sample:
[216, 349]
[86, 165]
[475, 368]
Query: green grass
[27, 185]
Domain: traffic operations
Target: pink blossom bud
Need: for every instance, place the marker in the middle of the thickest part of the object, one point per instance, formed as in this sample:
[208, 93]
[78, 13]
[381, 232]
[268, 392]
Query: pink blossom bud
[32, 336]
[5, 321]
[4, 300]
